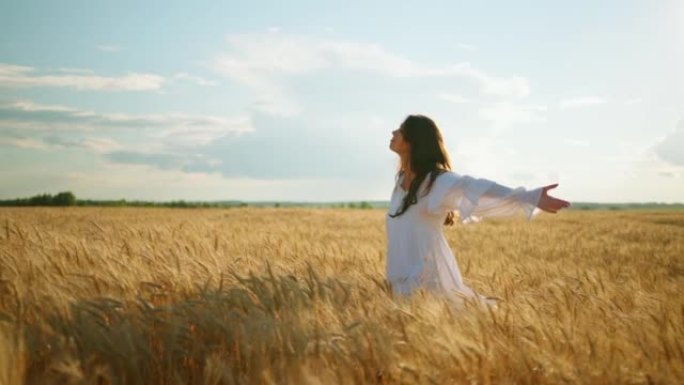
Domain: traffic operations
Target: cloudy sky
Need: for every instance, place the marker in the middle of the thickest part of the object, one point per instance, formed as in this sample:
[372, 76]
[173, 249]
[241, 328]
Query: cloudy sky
[273, 100]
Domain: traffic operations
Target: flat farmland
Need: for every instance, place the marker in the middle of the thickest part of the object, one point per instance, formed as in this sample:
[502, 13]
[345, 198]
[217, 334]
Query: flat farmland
[298, 296]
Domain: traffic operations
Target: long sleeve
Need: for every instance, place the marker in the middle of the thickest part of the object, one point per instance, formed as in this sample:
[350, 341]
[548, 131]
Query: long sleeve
[476, 197]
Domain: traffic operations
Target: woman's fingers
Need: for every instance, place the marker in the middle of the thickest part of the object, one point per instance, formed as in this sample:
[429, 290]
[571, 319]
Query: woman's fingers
[551, 204]
[558, 204]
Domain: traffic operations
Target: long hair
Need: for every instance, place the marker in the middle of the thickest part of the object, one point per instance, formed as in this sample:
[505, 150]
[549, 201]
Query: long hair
[427, 156]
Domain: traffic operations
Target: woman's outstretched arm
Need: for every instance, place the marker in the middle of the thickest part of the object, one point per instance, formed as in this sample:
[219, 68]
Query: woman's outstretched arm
[478, 197]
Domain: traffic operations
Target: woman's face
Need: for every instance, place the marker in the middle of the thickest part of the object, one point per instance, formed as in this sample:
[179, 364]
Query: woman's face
[398, 144]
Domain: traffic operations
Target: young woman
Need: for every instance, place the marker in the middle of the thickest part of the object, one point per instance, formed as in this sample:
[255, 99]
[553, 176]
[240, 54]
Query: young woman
[425, 196]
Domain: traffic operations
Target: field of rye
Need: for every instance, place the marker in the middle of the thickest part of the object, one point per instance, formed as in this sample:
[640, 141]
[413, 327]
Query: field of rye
[297, 296]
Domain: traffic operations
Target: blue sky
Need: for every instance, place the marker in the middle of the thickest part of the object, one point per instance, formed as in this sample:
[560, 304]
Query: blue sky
[296, 100]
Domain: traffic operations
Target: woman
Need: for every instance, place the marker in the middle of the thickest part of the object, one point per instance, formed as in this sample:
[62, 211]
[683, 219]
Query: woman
[425, 196]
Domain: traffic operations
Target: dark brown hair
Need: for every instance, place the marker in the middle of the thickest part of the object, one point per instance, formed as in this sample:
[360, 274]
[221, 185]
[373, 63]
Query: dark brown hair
[427, 156]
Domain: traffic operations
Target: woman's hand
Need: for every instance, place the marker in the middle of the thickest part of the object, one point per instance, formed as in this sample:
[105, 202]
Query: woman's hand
[550, 204]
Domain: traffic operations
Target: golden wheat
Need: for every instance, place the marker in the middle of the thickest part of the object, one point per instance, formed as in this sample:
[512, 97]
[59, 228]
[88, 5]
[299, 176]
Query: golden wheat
[259, 295]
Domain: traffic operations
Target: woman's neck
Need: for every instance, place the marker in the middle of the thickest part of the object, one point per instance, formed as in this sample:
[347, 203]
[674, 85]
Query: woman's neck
[406, 167]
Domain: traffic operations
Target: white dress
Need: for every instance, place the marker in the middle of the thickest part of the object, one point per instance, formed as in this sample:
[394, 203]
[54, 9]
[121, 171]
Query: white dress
[418, 254]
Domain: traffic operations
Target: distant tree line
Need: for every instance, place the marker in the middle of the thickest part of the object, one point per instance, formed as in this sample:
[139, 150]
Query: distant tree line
[175, 204]
[65, 198]
[626, 206]
[353, 205]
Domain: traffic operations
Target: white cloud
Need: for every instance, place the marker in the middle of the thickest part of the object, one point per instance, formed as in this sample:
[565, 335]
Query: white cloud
[275, 102]
[583, 101]
[101, 145]
[11, 69]
[29, 106]
[198, 80]
[506, 114]
[516, 86]
[454, 98]
[27, 143]
[258, 60]
[271, 98]
[66, 127]
[23, 76]
[257, 53]
[184, 129]
[671, 147]
[76, 70]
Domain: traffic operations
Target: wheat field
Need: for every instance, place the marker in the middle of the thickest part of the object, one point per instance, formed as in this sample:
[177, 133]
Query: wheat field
[298, 296]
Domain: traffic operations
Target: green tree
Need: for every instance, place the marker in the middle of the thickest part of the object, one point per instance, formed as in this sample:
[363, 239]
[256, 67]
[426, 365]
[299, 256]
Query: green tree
[40, 200]
[65, 198]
